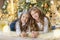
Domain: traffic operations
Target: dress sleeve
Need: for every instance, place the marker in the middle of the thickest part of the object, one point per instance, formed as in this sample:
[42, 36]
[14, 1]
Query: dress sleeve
[18, 32]
[45, 25]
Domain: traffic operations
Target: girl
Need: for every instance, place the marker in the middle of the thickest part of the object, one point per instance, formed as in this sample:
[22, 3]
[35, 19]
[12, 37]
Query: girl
[22, 26]
[39, 22]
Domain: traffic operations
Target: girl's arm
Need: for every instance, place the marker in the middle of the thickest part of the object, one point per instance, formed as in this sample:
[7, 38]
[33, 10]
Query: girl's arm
[18, 32]
[45, 25]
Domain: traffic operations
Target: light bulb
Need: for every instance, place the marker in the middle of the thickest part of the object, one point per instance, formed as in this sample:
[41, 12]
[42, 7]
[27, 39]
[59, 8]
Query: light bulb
[52, 2]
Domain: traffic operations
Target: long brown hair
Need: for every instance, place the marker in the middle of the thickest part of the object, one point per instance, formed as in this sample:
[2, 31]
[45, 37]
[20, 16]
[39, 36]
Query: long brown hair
[41, 16]
[25, 27]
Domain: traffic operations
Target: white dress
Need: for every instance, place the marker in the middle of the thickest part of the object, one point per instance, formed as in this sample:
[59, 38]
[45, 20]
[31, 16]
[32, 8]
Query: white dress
[18, 32]
[45, 25]
[39, 24]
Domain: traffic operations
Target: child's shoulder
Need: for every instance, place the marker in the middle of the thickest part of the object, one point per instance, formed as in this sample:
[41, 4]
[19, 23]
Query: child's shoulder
[45, 18]
[17, 22]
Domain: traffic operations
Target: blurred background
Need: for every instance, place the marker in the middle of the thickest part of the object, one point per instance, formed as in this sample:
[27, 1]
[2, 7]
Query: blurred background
[10, 10]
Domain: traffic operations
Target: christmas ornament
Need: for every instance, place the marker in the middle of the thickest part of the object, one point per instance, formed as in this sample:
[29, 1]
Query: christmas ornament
[46, 5]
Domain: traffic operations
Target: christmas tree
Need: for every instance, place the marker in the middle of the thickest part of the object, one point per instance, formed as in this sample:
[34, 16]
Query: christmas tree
[44, 5]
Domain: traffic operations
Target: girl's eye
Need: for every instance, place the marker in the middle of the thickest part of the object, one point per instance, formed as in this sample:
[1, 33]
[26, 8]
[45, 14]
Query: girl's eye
[23, 16]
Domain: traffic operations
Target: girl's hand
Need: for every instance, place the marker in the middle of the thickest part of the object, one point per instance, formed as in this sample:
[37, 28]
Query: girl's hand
[23, 34]
[34, 34]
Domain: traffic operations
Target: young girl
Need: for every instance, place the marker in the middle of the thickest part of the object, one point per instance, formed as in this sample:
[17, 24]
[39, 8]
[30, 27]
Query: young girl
[22, 26]
[39, 22]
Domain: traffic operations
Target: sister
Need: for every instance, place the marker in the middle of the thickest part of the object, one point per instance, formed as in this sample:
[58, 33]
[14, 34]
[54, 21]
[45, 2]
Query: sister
[39, 22]
[22, 26]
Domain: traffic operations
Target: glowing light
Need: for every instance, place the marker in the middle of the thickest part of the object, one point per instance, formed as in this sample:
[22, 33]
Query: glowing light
[52, 2]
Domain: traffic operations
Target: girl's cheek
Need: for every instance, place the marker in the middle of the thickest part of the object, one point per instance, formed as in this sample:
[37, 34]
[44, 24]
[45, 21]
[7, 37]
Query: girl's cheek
[26, 20]
[21, 19]
[34, 16]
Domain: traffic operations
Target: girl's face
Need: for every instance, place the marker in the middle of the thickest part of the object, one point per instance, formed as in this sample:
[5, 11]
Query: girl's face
[35, 15]
[24, 18]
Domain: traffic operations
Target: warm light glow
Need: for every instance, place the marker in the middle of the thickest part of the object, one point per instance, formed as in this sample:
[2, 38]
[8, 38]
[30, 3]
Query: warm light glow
[12, 8]
[57, 33]
[52, 2]
[6, 28]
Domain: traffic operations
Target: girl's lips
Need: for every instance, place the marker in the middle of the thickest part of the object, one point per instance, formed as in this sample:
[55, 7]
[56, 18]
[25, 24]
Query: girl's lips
[35, 17]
